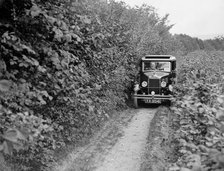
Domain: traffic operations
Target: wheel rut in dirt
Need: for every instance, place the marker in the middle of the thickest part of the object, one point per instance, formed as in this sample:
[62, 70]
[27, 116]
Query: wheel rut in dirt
[119, 146]
[127, 152]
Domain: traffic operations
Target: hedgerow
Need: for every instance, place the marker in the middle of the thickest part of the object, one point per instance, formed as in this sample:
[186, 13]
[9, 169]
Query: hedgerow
[64, 67]
[199, 107]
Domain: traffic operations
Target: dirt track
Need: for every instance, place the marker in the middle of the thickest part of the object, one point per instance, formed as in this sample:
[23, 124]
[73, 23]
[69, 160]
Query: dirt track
[127, 153]
[119, 146]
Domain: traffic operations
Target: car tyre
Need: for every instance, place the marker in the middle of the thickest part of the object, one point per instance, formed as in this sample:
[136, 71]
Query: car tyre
[136, 103]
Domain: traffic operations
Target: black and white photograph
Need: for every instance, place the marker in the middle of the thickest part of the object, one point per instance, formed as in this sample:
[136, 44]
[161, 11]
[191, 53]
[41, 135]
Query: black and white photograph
[111, 85]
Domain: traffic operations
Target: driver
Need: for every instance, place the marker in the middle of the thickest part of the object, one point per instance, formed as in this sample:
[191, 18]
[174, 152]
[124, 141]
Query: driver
[152, 65]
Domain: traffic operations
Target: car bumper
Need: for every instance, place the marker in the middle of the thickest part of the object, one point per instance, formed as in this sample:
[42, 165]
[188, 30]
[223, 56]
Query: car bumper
[155, 97]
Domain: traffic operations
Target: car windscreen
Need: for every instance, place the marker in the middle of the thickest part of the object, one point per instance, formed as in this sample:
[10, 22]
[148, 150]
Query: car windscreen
[157, 66]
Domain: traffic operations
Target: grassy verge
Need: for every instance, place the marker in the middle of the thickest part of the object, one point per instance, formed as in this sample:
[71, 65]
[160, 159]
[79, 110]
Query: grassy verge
[160, 148]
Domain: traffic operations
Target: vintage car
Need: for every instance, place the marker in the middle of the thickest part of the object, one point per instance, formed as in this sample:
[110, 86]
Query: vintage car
[155, 79]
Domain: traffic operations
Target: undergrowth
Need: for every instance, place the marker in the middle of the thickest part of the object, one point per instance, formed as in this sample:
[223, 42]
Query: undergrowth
[199, 107]
[65, 66]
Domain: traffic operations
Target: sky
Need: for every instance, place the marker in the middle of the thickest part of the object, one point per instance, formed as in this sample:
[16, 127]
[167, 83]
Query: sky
[197, 18]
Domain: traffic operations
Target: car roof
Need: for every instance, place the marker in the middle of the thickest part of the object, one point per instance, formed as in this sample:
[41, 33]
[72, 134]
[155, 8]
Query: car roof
[159, 58]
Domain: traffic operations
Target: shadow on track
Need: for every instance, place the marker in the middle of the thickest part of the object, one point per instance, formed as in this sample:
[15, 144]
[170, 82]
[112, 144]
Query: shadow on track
[150, 106]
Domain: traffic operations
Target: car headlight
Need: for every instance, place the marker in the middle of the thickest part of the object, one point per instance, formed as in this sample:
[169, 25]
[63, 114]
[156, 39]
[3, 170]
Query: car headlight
[136, 87]
[163, 84]
[170, 87]
[144, 84]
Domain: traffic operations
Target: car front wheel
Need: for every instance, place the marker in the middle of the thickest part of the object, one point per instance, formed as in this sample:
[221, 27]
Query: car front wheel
[136, 103]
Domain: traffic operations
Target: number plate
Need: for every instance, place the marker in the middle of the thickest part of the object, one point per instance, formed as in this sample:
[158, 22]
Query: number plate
[152, 101]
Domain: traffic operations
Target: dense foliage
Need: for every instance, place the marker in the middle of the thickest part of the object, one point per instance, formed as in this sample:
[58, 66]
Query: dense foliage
[64, 67]
[199, 106]
[191, 44]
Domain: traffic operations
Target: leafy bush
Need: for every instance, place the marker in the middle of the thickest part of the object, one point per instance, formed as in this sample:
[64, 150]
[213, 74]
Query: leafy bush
[199, 109]
[64, 66]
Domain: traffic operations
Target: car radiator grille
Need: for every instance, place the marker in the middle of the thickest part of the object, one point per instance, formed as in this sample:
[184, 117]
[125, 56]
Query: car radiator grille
[156, 90]
[154, 85]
